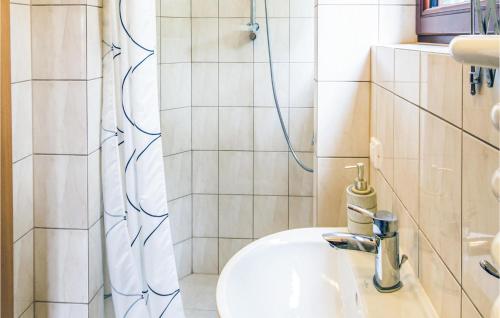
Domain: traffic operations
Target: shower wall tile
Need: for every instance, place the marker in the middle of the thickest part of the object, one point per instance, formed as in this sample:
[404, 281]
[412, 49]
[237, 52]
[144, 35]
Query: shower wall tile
[408, 232]
[301, 9]
[20, 33]
[270, 215]
[276, 8]
[234, 9]
[271, 173]
[175, 40]
[22, 133]
[407, 75]
[205, 215]
[279, 31]
[94, 42]
[23, 273]
[236, 216]
[236, 128]
[22, 179]
[176, 130]
[302, 129]
[178, 175]
[94, 198]
[58, 42]
[59, 117]
[180, 215]
[300, 181]
[96, 273]
[205, 172]
[205, 46]
[300, 212]
[176, 8]
[301, 84]
[61, 265]
[343, 119]
[184, 258]
[176, 79]
[29, 313]
[205, 84]
[205, 128]
[397, 24]
[205, 8]
[60, 191]
[235, 93]
[60, 310]
[205, 255]
[94, 101]
[268, 135]
[468, 309]
[96, 306]
[235, 172]
[234, 44]
[229, 247]
[302, 43]
[263, 90]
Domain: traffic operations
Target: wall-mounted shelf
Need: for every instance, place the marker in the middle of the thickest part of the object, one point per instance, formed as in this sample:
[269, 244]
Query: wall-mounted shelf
[478, 50]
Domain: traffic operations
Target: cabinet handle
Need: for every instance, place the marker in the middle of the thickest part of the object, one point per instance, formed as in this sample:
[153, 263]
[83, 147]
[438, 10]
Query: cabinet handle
[490, 269]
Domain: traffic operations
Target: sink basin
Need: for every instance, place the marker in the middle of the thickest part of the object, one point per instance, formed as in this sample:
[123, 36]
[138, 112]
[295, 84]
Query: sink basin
[296, 274]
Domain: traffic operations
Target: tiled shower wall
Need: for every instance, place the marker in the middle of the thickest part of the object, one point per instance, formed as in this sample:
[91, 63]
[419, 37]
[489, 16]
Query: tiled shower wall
[56, 75]
[439, 152]
[230, 176]
[346, 30]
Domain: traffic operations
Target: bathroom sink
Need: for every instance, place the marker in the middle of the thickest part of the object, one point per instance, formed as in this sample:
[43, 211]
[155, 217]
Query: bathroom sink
[296, 274]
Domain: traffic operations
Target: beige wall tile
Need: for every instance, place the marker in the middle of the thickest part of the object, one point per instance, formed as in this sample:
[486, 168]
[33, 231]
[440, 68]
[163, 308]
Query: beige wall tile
[205, 46]
[301, 130]
[176, 130]
[23, 273]
[59, 117]
[439, 284]
[205, 128]
[178, 175]
[229, 247]
[30, 312]
[267, 131]
[175, 40]
[176, 8]
[407, 75]
[205, 255]
[300, 182]
[332, 182]
[236, 128]
[343, 119]
[176, 85]
[234, 44]
[279, 31]
[58, 42]
[397, 24]
[477, 109]
[181, 216]
[270, 215]
[231, 8]
[301, 85]
[96, 274]
[94, 195]
[408, 233]
[383, 59]
[235, 216]
[205, 215]
[385, 132]
[205, 172]
[184, 258]
[205, 8]
[22, 196]
[481, 221]
[22, 133]
[94, 105]
[94, 42]
[235, 172]
[60, 191]
[20, 33]
[263, 91]
[271, 173]
[235, 93]
[441, 86]
[301, 212]
[468, 309]
[61, 266]
[205, 84]
[440, 188]
[60, 310]
[276, 8]
[406, 154]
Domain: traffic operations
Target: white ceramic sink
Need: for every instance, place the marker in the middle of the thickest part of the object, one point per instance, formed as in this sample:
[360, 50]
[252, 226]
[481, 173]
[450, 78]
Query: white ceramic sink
[296, 274]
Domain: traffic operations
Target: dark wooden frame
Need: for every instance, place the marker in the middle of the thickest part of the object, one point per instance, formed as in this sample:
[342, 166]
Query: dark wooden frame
[6, 205]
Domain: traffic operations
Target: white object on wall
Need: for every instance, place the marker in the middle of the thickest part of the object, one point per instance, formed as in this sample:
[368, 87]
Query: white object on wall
[376, 152]
[478, 50]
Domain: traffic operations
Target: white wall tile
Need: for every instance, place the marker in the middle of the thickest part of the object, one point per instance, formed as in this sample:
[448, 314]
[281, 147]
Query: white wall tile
[235, 216]
[23, 273]
[268, 135]
[407, 75]
[176, 130]
[397, 24]
[60, 191]
[184, 258]
[175, 40]
[235, 93]
[22, 134]
[94, 105]
[235, 172]
[263, 91]
[385, 131]
[205, 126]
[229, 247]
[59, 117]
[301, 212]
[302, 42]
[176, 8]
[340, 58]
[205, 172]
[180, 215]
[20, 33]
[271, 215]
[58, 42]
[234, 43]
[231, 8]
[236, 128]
[175, 85]
[205, 40]
[343, 124]
[94, 199]
[279, 33]
[205, 84]
[301, 84]
[301, 9]
[61, 265]
[60, 310]
[96, 274]
[205, 8]
[205, 215]
[301, 129]
[300, 181]
[275, 8]
[271, 173]
[178, 175]
[205, 255]
[94, 42]
[22, 185]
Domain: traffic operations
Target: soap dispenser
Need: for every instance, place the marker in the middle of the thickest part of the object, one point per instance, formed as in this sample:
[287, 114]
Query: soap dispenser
[360, 193]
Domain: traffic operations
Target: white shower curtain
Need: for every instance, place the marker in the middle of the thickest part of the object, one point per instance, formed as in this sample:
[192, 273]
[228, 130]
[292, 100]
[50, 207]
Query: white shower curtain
[139, 249]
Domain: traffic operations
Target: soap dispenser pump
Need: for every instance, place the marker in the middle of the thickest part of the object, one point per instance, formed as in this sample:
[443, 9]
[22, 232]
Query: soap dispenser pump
[360, 193]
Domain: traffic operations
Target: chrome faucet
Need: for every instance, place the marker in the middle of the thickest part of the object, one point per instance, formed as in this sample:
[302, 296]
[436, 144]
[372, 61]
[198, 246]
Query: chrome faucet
[384, 243]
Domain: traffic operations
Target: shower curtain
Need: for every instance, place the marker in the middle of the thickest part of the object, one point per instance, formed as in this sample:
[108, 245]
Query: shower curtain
[139, 249]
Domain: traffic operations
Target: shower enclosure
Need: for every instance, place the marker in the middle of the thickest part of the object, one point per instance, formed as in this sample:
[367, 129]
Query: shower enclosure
[231, 177]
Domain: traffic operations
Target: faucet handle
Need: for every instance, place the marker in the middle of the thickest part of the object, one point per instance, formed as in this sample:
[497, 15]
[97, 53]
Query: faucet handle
[385, 223]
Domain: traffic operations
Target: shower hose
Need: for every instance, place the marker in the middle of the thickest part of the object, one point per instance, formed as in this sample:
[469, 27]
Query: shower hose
[276, 101]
